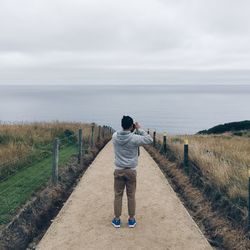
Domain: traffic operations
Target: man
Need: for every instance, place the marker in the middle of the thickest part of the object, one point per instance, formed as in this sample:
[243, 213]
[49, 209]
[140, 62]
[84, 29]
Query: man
[126, 144]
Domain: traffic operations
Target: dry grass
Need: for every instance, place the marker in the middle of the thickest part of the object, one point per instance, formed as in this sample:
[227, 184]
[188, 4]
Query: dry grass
[223, 159]
[26, 157]
[17, 141]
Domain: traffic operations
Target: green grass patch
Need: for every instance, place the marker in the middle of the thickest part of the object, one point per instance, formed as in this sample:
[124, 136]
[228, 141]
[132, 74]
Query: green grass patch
[17, 189]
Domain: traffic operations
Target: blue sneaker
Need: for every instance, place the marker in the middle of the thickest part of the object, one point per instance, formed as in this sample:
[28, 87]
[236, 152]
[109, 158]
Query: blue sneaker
[131, 222]
[116, 222]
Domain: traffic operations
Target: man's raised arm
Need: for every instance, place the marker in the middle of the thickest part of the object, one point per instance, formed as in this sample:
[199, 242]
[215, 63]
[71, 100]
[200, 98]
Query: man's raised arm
[142, 137]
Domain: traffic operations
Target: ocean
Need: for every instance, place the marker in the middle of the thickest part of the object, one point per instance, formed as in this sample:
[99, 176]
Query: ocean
[176, 109]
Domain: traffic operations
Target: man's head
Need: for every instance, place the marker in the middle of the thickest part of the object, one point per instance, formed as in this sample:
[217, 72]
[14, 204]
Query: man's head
[127, 122]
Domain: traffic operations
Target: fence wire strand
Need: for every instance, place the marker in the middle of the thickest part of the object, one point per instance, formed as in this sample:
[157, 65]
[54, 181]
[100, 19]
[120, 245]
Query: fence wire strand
[38, 178]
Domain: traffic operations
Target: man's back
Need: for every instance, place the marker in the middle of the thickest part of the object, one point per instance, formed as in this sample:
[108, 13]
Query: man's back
[126, 145]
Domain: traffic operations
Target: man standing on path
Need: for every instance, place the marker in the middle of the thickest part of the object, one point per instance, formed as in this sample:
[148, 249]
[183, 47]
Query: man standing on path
[126, 144]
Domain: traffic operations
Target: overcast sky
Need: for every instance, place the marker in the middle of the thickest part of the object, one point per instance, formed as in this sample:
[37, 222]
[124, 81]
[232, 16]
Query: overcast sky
[124, 41]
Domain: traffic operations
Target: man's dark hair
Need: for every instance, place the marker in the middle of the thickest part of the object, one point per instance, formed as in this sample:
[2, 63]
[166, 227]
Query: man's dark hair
[127, 121]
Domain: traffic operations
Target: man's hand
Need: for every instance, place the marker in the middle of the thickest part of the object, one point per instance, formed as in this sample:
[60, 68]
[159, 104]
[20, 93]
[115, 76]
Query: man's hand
[137, 126]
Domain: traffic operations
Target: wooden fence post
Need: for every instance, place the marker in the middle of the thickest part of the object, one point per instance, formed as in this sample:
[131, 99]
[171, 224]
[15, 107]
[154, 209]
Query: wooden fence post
[102, 131]
[92, 134]
[186, 155]
[79, 145]
[154, 141]
[55, 161]
[165, 143]
[99, 133]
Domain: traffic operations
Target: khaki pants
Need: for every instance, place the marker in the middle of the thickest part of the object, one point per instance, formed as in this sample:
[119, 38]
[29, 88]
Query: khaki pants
[122, 178]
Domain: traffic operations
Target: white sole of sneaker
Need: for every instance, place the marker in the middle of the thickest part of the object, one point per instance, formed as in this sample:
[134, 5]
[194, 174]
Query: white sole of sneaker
[116, 226]
[131, 226]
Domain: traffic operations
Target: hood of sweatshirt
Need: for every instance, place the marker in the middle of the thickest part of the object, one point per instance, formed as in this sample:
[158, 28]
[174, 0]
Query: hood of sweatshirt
[123, 137]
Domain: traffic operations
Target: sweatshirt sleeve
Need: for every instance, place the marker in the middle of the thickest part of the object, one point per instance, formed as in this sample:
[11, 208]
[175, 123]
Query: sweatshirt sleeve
[142, 137]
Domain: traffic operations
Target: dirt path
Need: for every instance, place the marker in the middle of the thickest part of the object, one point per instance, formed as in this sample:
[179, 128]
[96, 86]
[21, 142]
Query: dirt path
[85, 220]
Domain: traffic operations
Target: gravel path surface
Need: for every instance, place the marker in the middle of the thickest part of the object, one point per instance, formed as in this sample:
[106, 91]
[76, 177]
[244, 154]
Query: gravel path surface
[85, 220]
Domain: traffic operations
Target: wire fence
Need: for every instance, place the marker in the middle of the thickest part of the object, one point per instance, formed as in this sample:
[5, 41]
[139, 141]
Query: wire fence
[23, 176]
[163, 145]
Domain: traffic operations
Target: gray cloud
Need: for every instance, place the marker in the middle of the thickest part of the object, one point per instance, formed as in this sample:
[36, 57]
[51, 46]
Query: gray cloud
[44, 41]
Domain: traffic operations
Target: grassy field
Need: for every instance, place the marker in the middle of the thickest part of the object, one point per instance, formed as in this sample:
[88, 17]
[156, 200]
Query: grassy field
[224, 160]
[26, 158]
[17, 189]
[21, 144]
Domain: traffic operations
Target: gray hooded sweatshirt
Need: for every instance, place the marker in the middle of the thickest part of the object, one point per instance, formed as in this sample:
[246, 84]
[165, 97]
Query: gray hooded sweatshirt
[126, 145]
